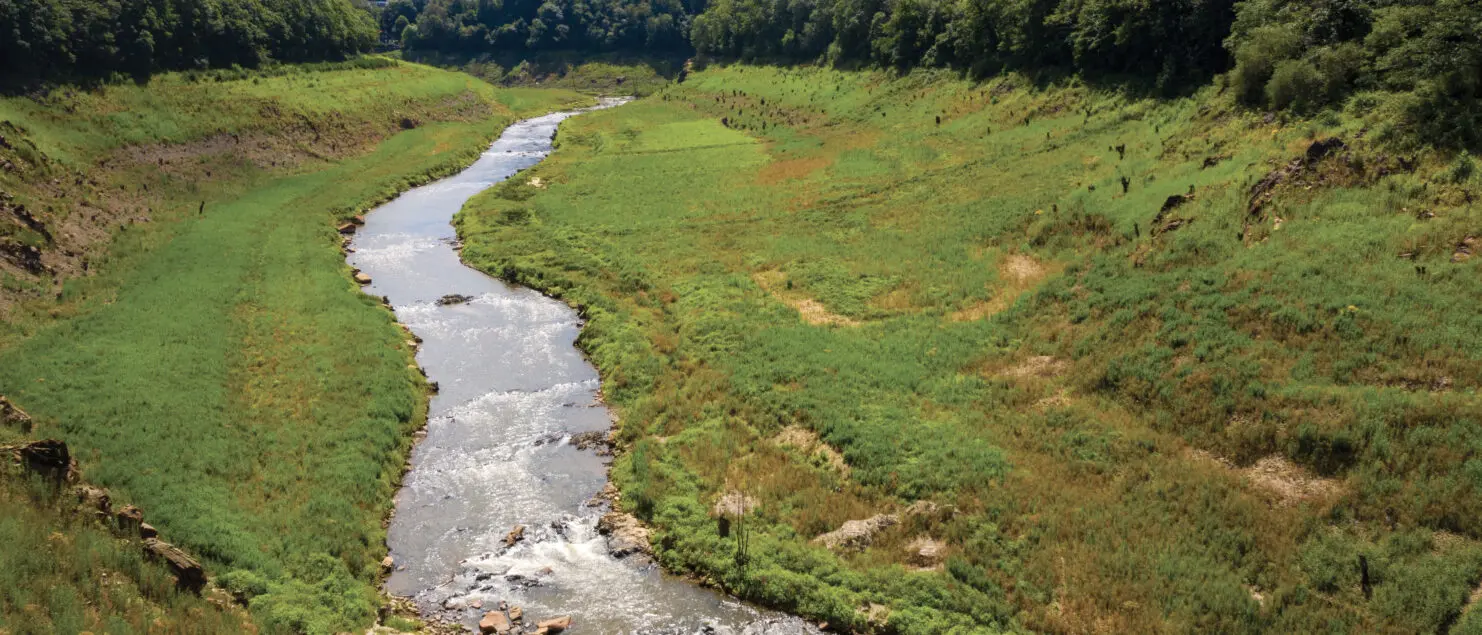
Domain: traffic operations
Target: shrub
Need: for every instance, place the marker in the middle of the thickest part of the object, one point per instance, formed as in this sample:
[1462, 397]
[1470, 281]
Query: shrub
[1256, 60]
[1295, 85]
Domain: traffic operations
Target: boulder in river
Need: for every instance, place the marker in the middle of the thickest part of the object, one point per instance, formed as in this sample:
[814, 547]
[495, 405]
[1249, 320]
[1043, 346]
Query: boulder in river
[453, 298]
[514, 535]
[592, 440]
[625, 535]
[555, 624]
[494, 622]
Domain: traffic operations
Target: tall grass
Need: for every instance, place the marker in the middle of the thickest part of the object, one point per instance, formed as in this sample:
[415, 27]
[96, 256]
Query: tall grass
[221, 370]
[948, 282]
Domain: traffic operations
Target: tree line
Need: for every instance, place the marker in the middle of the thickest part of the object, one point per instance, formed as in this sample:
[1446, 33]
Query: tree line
[1420, 58]
[473, 27]
[1297, 55]
[60, 40]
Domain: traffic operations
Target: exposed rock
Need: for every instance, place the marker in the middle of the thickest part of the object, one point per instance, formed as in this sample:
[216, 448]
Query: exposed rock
[407, 123]
[555, 624]
[129, 519]
[189, 575]
[734, 505]
[346, 228]
[857, 534]
[494, 622]
[609, 494]
[878, 615]
[49, 458]
[1174, 202]
[362, 278]
[592, 440]
[26, 257]
[13, 416]
[147, 530]
[926, 553]
[924, 511]
[388, 563]
[515, 535]
[95, 498]
[453, 298]
[1324, 147]
[625, 535]
[1263, 190]
[516, 613]
[1464, 249]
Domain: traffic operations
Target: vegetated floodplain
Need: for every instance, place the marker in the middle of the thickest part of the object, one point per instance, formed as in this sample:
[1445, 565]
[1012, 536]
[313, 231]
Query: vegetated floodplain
[211, 360]
[1159, 366]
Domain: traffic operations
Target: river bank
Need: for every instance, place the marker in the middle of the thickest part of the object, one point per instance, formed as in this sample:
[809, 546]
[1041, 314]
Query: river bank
[500, 507]
[192, 331]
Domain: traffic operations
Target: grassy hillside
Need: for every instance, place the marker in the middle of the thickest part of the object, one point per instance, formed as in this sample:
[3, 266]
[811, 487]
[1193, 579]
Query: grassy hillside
[193, 332]
[60, 574]
[1161, 366]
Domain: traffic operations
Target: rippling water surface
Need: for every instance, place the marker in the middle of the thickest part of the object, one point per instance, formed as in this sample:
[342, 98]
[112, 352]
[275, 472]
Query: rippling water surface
[496, 455]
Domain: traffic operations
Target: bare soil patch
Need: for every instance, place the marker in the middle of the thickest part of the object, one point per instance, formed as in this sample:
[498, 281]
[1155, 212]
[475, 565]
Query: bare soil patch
[1018, 273]
[810, 444]
[812, 311]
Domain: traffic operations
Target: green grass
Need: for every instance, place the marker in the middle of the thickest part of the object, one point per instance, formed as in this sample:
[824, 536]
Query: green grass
[972, 312]
[220, 370]
[71, 576]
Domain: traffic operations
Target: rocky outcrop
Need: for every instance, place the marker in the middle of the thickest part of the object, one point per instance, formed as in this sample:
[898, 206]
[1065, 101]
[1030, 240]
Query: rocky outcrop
[625, 535]
[129, 519]
[50, 459]
[926, 553]
[856, 535]
[13, 416]
[733, 504]
[189, 576]
[95, 499]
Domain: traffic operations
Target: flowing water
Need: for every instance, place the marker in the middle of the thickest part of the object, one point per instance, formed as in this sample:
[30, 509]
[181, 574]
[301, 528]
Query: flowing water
[513, 391]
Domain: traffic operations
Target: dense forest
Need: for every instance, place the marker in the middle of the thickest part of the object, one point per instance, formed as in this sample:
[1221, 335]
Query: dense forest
[1277, 54]
[82, 39]
[1285, 54]
[1420, 59]
[481, 26]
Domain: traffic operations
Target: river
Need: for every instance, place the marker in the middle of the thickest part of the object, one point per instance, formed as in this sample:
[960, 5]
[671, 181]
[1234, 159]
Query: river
[513, 391]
